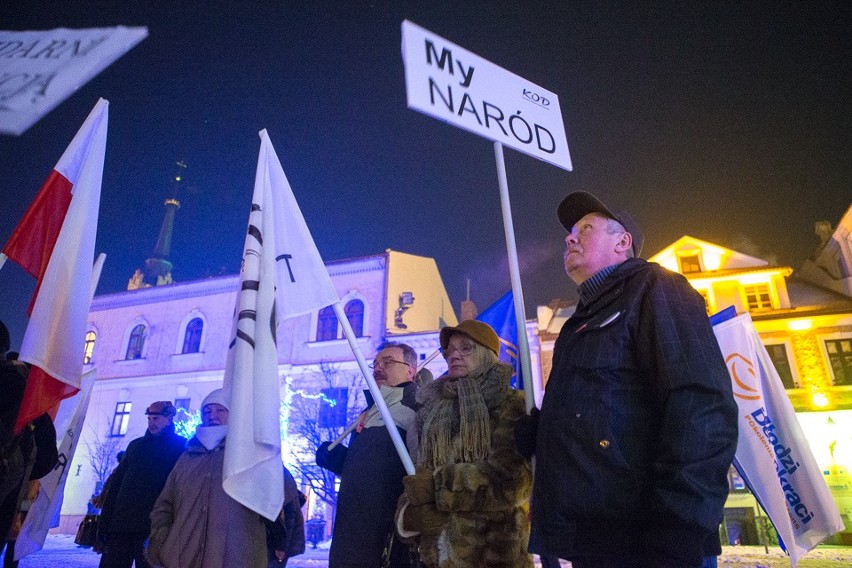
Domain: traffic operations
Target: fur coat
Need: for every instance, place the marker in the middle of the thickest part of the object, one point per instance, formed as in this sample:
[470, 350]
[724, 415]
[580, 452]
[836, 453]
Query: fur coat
[487, 501]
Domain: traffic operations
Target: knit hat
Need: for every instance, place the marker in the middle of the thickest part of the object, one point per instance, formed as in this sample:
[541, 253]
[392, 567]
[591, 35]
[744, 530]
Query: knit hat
[578, 204]
[481, 333]
[215, 397]
[161, 407]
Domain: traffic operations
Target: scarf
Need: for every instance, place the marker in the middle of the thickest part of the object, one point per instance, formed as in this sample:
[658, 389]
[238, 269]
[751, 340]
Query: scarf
[454, 422]
[210, 436]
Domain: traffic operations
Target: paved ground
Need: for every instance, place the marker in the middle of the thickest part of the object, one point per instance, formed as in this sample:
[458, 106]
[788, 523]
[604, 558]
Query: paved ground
[60, 551]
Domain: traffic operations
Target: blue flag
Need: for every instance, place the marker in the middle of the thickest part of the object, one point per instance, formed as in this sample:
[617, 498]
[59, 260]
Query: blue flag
[501, 316]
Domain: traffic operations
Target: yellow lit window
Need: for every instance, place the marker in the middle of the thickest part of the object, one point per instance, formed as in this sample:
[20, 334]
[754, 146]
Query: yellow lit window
[690, 263]
[758, 297]
[840, 359]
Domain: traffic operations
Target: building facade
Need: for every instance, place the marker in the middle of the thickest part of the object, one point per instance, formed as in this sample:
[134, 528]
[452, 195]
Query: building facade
[169, 342]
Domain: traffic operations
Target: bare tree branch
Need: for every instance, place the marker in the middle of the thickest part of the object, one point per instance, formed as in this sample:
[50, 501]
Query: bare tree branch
[305, 414]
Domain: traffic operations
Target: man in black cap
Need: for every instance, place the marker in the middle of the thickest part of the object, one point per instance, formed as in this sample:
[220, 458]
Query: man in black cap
[134, 486]
[638, 424]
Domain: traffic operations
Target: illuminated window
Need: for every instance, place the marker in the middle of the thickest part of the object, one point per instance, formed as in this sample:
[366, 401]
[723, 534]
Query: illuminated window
[136, 343]
[840, 359]
[690, 263]
[778, 354]
[355, 314]
[120, 418]
[758, 297]
[326, 324]
[192, 336]
[89, 347]
[332, 411]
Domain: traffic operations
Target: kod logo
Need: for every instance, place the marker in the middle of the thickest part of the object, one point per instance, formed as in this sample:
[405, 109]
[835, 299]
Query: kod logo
[745, 379]
[535, 98]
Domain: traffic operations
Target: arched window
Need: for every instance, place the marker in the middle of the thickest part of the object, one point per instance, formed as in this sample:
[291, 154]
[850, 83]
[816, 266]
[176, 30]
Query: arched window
[355, 314]
[89, 347]
[326, 324]
[136, 343]
[192, 336]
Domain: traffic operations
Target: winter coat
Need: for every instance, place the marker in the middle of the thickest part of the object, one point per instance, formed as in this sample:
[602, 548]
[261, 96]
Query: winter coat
[638, 425]
[138, 480]
[371, 483]
[195, 524]
[486, 500]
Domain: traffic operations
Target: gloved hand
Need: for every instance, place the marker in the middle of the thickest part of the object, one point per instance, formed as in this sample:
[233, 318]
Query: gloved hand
[333, 459]
[526, 429]
[420, 487]
[425, 519]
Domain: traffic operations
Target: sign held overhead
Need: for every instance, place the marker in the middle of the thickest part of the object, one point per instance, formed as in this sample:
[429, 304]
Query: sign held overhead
[452, 84]
[40, 69]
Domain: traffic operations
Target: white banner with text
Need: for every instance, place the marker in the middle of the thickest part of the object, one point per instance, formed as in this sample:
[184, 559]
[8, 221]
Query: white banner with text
[40, 69]
[456, 86]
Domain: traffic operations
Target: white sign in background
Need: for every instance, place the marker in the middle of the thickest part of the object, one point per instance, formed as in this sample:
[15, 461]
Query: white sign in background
[40, 69]
[452, 84]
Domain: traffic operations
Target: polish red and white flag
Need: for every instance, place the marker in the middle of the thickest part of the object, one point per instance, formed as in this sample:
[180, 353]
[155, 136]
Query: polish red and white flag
[55, 243]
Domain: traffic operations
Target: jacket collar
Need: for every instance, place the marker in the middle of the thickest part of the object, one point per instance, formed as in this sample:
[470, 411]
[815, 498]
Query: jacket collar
[611, 286]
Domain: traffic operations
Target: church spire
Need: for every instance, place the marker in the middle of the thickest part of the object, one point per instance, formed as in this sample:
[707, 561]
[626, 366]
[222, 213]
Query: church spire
[158, 267]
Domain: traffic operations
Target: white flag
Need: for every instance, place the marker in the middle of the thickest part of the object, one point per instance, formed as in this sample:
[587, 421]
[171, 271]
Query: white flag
[44, 511]
[773, 455]
[302, 278]
[278, 252]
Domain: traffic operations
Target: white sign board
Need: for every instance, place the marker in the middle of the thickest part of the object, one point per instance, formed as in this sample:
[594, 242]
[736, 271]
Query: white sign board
[40, 69]
[452, 84]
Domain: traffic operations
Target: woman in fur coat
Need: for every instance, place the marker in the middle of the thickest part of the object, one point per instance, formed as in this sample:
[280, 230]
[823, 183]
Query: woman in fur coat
[467, 503]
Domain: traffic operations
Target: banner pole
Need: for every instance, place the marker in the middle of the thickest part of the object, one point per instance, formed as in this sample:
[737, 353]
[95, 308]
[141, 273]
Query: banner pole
[374, 389]
[428, 359]
[346, 432]
[515, 274]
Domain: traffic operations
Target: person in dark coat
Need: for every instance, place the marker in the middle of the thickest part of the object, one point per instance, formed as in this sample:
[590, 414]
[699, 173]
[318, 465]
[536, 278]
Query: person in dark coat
[370, 469]
[285, 537]
[638, 424]
[134, 486]
[26, 456]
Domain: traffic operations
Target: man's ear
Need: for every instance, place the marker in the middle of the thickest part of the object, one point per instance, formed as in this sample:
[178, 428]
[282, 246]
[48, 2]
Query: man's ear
[625, 243]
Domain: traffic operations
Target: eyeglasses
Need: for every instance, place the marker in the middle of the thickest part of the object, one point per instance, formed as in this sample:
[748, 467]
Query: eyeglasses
[463, 350]
[384, 363]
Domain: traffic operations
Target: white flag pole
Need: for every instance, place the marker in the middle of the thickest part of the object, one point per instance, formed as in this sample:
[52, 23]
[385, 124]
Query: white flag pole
[346, 432]
[374, 390]
[428, 359]
[515, 274]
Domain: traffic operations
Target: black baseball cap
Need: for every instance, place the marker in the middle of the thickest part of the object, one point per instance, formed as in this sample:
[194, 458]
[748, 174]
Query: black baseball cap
[578, 204]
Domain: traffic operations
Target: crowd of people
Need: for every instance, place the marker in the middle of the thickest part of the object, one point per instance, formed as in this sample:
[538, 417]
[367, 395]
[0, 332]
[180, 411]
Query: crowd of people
[632, 445]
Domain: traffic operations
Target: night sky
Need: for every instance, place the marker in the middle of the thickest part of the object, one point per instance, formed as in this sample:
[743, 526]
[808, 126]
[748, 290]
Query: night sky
[732, 124]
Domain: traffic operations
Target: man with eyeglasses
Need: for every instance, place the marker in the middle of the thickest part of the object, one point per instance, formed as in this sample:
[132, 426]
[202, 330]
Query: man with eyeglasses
[370, 470]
